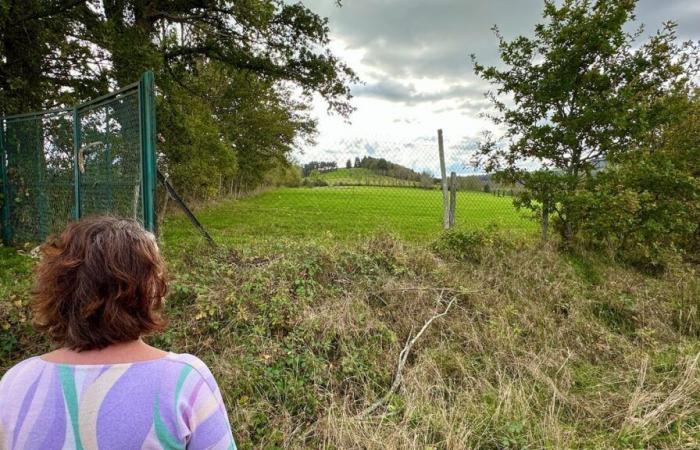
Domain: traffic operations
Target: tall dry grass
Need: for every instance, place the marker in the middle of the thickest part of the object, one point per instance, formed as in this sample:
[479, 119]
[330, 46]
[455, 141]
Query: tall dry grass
[540, 349]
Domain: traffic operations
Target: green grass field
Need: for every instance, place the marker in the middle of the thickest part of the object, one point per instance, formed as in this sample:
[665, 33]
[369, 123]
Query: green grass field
[345, 212]
[302, 328]
[361, 176]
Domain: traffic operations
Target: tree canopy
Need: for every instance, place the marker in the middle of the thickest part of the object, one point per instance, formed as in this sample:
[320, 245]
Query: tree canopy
[262, 60]
[579, 94]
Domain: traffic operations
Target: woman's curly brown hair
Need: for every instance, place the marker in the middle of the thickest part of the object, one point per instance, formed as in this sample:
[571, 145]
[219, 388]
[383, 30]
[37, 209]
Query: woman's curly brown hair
[100, 282]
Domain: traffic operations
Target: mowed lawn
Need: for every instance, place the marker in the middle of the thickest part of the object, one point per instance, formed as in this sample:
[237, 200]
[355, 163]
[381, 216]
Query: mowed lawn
[345, 213]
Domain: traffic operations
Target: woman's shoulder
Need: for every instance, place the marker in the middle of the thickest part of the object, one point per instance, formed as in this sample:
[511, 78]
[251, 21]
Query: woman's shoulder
[187, 359]
[17, 371]
[191, 363]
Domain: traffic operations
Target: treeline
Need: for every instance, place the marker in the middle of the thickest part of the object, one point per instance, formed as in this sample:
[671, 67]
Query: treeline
[321, 166]
[229, 112]
[381, 166]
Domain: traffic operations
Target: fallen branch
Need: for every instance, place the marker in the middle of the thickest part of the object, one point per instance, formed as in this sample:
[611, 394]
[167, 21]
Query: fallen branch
[441, 290]
[403, 357]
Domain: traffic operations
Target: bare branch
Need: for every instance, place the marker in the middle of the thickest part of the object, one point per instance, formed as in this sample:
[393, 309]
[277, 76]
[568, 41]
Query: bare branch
[403, 357]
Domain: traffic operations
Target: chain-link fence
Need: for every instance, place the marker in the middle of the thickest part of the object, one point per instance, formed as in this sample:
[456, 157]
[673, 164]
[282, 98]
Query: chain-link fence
[399, 184]
[98, 157]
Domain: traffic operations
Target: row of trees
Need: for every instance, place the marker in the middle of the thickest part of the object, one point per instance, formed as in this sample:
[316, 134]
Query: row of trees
[320, 166]
[387, 168]
[584, 93]
[380, 166]
[234, 79]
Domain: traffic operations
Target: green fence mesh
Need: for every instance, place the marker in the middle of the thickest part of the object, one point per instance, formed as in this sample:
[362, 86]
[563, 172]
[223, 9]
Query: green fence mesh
[109, 159]
[95, 158]
[39, 154]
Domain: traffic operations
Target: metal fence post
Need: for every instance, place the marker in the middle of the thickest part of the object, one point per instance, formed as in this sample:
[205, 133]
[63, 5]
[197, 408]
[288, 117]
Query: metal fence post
[6, 230]
[148, 149]
[77, 205]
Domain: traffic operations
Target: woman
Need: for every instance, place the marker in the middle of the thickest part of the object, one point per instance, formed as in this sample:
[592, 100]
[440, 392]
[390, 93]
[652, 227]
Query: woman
[98, 290]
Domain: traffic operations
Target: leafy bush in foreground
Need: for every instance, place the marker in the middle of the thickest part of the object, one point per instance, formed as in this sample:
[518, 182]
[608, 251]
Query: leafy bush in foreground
[646, 204]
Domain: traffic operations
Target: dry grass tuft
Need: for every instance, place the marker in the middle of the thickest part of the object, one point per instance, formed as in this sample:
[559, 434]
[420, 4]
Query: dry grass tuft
[540, 349]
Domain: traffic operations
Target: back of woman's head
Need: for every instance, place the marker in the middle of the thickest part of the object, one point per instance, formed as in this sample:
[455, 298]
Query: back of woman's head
[100, 282]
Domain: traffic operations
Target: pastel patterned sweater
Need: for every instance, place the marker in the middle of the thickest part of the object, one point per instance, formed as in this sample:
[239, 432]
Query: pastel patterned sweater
[168, 403]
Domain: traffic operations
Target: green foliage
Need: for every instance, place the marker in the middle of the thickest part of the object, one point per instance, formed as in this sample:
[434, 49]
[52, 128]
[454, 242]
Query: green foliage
[646, 204]
[40, 66]
[356, 177]
[121, 39]
[469, 245]
[382, 167]
[584, 91]
[315, 179]
[235, 134]
[283, 174]
[426, 181]
[235, 79]
[16, 332]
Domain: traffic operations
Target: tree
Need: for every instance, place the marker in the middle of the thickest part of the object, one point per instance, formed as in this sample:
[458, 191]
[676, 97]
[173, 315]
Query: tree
[348, 164]
[358, 163]
[71, 43]
[647, 203]
[40, 67]
[426, 180]
[263, 61]
[581, 92]
[228, 125]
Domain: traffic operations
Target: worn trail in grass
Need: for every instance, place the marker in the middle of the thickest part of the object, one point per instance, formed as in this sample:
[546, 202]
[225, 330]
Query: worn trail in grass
[345, 212]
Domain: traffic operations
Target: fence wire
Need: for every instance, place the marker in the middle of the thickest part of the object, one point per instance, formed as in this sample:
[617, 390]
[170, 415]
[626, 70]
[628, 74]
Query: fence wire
[110, 157]
[65, 164]
[397, 184]
[39, 151]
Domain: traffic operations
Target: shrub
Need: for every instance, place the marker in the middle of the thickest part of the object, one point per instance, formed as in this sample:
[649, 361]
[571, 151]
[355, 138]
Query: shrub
[469, 245]
[426, 181]
[645, 205]
[314, 182]
[643, 210]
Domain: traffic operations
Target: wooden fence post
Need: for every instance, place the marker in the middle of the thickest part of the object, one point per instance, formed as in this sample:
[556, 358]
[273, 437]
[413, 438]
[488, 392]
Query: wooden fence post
[445, 193]
[453, 198]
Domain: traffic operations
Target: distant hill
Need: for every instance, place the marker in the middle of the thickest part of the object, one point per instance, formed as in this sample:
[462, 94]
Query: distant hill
[361, 177]
[370, 171]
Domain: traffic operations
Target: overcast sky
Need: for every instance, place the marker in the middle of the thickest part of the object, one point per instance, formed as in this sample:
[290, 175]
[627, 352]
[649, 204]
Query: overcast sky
[413, 58]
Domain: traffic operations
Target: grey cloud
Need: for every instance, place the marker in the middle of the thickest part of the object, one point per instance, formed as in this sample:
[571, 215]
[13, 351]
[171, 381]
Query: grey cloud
[433, 38]
[427, 37]
[468, 107]
[408, 94]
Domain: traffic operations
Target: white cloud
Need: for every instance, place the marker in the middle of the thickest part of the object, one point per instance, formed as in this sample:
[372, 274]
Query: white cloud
[413, 57]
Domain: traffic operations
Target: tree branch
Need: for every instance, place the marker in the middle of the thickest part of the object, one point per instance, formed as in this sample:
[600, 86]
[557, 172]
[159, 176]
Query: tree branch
[403, 357]
[57, 9]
